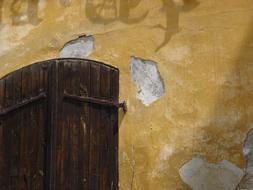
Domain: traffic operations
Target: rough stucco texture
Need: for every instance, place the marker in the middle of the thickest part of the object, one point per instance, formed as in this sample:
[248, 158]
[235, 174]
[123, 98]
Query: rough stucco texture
[201, 55]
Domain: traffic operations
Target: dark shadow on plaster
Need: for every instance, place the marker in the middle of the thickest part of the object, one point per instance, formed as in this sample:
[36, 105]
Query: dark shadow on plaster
[172, 12]
[107, 11]
[22, 16]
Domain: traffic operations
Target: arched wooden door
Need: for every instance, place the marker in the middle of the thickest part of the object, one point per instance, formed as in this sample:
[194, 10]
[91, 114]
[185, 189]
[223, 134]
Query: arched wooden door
[59, 126]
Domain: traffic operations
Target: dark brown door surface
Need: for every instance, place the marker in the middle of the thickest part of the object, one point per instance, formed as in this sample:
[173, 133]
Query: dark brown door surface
[59, 126]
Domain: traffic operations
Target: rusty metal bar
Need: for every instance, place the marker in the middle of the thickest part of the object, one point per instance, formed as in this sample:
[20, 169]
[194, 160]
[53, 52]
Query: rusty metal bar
[26, 102]
[123, 105]
[82, 99]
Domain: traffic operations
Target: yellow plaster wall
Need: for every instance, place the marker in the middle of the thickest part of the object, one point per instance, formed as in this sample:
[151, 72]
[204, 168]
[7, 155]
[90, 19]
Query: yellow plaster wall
[204, 52]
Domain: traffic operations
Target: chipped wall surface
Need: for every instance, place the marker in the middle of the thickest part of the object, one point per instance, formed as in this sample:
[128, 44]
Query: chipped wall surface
[201, 53]
[148, 80]
[81, 47]
[201, 175]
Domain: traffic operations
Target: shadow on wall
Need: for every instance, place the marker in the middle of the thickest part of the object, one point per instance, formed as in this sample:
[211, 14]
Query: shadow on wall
[107, 11]
[172, 9]
[22, 12]
[26, 11]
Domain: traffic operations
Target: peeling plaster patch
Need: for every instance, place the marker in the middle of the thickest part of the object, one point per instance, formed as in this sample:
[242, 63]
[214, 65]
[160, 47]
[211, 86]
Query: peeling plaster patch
[147, 78]
[81, 47]
[247, 180]
[201, 175]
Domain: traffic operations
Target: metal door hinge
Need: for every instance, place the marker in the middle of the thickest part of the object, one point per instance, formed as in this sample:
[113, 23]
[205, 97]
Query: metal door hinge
[103, 102]
[5, 111]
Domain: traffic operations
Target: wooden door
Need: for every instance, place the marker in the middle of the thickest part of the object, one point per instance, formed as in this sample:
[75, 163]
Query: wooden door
[59, 126]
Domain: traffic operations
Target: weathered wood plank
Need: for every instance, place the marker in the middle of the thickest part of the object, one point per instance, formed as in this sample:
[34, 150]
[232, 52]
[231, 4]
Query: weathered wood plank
[114, 131]
[84, 127]
[3, 156]
[15, 128]
[37, 128]
[104, 130]
[12, 127]
[94, 123]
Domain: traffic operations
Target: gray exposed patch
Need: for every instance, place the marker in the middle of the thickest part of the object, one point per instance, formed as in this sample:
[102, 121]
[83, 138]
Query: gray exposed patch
[201, 175]
[248, 151]
[81, 47]
[147, 79]
[247, 180]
